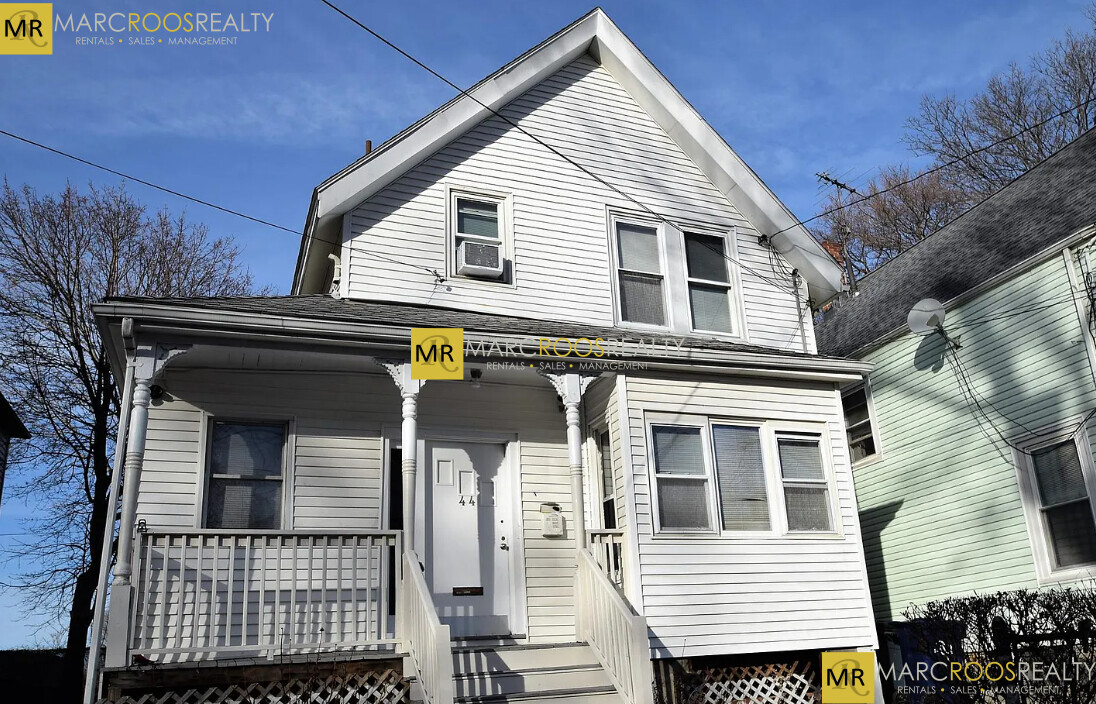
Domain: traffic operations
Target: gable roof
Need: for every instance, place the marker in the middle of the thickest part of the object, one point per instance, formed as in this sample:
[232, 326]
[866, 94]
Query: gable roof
[1046, 205]
[596, 35]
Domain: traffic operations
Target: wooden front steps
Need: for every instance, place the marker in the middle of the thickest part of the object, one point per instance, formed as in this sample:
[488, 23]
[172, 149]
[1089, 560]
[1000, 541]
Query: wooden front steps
[499, 673]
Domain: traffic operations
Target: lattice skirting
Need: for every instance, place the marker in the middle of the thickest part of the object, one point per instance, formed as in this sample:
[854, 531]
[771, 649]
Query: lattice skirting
[386, 687]
[696, 682]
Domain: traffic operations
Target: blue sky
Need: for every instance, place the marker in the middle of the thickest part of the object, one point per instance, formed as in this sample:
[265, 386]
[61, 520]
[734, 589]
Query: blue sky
[795, 87]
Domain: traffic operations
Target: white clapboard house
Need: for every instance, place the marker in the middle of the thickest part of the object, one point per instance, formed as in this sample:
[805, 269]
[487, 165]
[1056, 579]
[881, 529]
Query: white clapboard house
[542, 528]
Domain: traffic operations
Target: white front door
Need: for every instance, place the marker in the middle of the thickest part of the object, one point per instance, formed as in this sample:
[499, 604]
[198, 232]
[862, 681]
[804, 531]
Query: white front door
[468, 533]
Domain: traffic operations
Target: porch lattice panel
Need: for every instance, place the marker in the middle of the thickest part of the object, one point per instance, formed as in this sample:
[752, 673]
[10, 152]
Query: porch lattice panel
[782, 683]
[387, 687]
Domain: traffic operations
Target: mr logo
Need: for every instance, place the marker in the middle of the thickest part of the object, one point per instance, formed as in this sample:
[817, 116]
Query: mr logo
[27, 28]
[437, 353]
[848, 678]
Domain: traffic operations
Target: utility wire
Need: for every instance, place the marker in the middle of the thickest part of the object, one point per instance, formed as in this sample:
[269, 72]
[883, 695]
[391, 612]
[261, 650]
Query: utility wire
[433, 272]
[938, 167]
[643, 206]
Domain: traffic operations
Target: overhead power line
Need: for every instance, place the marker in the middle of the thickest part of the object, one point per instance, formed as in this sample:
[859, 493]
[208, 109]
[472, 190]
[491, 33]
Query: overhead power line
[200, 201]
[938, 167]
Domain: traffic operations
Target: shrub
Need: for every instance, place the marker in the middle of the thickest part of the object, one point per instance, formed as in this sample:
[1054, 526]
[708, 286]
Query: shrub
[1022, 630]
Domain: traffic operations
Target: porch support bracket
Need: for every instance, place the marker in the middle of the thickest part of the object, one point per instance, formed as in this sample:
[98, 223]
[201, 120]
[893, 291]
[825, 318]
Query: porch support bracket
[400, 371]
[570, 388]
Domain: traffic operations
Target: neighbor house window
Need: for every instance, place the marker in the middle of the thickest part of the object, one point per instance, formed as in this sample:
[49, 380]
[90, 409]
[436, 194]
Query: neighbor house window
[740, 472]
[806, 489]
[709, 282]
[639, 274]
[608, 501]
[681, 478]
[1063, 505]
[859, 423]
[246, 467]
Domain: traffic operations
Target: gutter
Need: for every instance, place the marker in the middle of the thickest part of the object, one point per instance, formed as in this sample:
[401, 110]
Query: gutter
[238, 325]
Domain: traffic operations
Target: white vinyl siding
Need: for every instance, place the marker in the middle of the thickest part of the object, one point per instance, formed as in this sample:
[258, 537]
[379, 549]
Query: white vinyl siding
[721, 594]
[561, 249]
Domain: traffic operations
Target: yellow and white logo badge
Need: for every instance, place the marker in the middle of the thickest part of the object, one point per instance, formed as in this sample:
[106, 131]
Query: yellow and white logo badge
[27, 28]
[437, 353]
[848, 678]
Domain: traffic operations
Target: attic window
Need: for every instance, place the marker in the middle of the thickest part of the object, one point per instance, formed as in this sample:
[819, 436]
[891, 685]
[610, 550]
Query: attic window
[479, 223]
[639, 274]
[709, 282]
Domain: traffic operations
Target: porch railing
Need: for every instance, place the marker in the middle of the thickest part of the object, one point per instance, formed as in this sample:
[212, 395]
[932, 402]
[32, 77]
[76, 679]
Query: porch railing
[201, 593]
[617, 635]
[608, 549]
[426, 640]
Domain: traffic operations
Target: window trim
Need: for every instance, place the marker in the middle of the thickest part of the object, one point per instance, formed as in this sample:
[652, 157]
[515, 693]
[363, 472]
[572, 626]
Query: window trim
[505, 203]
[873, 422]
[733, 285]
[205, 464]
[789, 430]
[774, 481]
[714, 527]
[1038, 532]
[616, 218]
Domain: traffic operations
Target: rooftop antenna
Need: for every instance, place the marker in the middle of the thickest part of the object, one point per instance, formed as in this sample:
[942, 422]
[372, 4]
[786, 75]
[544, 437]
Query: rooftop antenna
[927, 317]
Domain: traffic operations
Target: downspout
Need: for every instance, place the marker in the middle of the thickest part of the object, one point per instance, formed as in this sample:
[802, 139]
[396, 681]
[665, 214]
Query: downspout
[91, 678]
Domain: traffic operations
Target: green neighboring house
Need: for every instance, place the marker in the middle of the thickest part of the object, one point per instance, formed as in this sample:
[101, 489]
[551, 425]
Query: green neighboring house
[974, 466]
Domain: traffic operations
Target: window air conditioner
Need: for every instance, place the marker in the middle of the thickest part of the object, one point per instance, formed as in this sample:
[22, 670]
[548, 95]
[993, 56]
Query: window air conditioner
[479, 259]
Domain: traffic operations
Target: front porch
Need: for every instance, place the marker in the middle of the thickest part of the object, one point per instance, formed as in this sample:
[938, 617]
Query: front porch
[356, 566]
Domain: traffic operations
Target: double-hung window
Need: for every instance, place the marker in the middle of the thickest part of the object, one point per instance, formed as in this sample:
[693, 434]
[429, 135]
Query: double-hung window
[246, 475]
[709, 282]
[1061, 506]
[740, 477]
[640, 279]
[806, 489]
[681, 478]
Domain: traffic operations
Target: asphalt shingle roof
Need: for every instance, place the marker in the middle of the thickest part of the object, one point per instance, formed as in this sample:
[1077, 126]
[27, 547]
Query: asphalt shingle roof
[319, 307]
[1047, 204]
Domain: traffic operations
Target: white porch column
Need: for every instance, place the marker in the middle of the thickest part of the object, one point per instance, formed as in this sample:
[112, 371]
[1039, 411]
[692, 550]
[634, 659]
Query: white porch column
[121, 592]
[570, 388]
[135, 459]
[409, 391]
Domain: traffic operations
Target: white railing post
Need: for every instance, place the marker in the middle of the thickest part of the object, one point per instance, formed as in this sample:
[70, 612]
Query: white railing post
[616, 634]
[428, 642]
[288, 575]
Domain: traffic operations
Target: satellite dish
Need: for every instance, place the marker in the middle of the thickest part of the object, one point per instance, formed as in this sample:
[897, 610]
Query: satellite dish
[926, 317]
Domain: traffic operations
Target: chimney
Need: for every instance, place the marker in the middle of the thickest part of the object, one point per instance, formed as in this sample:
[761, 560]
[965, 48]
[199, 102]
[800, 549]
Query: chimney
[368, 146]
